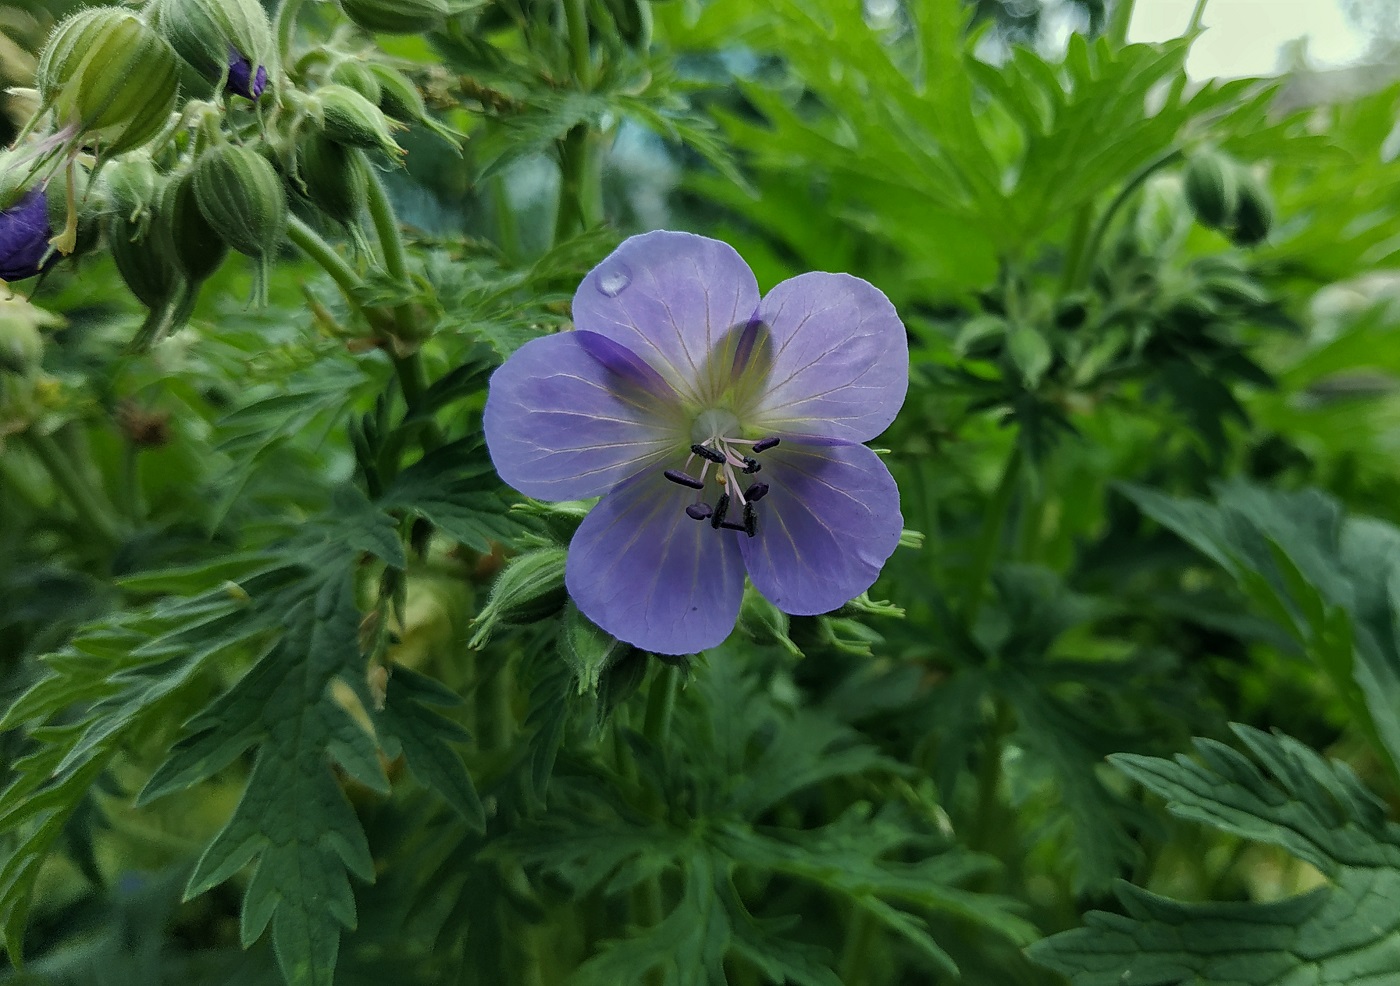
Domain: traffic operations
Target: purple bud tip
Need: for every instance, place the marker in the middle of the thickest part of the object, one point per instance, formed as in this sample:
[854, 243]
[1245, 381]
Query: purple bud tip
[242, 79]
[683, 479]
[756, 492]
[751, 465]
[764, 444]
[24, 237]
[698, 511]
[708, 453]
[721, 508]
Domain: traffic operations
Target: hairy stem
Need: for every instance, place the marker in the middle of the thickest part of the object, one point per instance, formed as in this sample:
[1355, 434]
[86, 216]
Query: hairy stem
[92, 506]
[286, 24]
[989, 544]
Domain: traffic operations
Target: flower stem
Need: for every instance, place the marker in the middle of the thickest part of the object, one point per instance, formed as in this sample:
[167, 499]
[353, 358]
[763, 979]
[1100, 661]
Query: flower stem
[1117, 28]
[95, 510]
[386, 228]
[647, 907]
[286, 23]
[1077, 273]
[576, 22]
[311, 244]
[993, 529]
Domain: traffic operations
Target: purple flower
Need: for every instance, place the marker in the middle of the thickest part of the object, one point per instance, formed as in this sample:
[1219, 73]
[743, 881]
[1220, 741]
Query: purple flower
[24, 237]
[242, 80]
[677, 388]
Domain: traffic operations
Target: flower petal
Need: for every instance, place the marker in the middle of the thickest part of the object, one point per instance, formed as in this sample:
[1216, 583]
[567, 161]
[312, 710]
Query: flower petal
[650, 575]
[669, 297]
[561, 426]
[840, 359]
[827, 526]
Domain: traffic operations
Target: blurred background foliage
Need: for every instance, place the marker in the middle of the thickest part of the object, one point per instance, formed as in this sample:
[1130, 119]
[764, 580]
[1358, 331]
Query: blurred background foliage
[1150, 440]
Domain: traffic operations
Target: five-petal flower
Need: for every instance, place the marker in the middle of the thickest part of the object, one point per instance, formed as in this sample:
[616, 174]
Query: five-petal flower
[722, 430]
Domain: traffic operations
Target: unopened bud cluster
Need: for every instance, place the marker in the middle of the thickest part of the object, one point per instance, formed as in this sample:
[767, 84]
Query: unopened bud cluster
[176, 181]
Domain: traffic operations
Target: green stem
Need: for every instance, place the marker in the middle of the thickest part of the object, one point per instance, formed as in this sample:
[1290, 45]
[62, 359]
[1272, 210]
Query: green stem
[576, 21]
[386, 228]
[989, 544]
[987, 819]
[861, 938]
[131, 483]
[286, 24]
[1076, 276]
[92, 506]
[316, 248]
[661, 706]
[1117, 28]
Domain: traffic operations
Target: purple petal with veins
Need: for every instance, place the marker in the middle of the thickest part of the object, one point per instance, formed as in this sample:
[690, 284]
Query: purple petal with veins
[679, 383]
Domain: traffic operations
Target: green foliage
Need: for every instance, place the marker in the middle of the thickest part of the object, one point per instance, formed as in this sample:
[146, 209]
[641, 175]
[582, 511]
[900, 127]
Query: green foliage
[292, 686]
[1283, 794]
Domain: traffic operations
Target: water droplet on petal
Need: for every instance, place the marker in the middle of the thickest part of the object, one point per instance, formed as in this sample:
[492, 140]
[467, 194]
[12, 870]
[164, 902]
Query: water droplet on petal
[612, 281]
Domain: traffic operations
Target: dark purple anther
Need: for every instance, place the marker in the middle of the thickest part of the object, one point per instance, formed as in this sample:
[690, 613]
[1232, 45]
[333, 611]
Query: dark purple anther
[721, 508]
[756, 492]
[698, 511]
[750, 520]
[708, 453]
[751, 465]
[683, 479]
[242, 80]
[24, 237]
[764, 444]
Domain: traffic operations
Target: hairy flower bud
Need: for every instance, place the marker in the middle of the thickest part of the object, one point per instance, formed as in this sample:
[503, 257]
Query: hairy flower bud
[228, 41]
[332, 177]
[397, 16]
[1212, 188]
[196, 247]
[1254, 216]
[241, 196]
[350, 119]
[531, 588]
[21, 344]
[109, 76]
[130, 184]
[145, 260]
[400, 98]
[355, 74]
[24, 237]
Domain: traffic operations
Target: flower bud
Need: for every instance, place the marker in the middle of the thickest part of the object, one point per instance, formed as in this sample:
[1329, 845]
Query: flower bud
[130, 183]
[1212, 188]
[242, 198]
[400, 98]
[196, 247]
[763, 623]
[24, 237]
[355, 74]
[350, 119]
[21, 345]
[228, 41]
[144, 259]
[333, 178]
[108, 75]
[396, 16]
[1254, 216]
[529, 589]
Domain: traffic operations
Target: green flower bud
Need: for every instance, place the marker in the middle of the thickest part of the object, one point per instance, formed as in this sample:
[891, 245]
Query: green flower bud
[350, 119]
[400, 98]
[21, 345]
[109, 76]
[241, 196]
[529, 589]
[763, 623]
[196, 247]
[228, 41]
[397, 16]
[1255, 215]
[333, 178]
[131, 184]
[633, 20]
[355, 74]
[144, 260]
[1212, 188]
